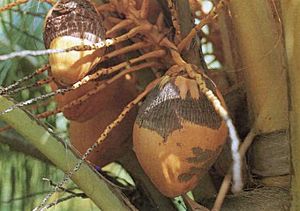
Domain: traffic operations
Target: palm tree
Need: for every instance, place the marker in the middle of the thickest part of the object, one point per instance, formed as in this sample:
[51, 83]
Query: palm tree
[250, 52]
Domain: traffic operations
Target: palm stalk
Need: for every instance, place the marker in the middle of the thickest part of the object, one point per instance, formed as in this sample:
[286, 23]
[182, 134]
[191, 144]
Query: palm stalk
[64, 157]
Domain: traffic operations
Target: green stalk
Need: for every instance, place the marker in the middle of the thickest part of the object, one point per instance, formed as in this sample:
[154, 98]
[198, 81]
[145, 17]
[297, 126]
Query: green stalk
[64, 157]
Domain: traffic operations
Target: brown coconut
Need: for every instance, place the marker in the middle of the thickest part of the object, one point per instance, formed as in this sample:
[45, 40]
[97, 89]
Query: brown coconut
[87, 109]
[109, 103]
[178, 135]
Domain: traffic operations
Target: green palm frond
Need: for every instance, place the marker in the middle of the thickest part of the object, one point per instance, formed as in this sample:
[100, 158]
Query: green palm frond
[21, 30]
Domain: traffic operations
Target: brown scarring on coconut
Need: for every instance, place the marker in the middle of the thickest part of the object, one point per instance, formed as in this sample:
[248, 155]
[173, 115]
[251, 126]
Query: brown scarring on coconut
[178, 135]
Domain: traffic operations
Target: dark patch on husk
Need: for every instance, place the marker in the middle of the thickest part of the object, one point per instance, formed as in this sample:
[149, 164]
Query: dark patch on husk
[200, 155]
[164, 111]
[76, 18]
[185, 177]
[203, 160]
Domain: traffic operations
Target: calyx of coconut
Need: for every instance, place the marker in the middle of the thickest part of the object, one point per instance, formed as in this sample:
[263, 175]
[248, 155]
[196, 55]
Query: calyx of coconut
[72, 23]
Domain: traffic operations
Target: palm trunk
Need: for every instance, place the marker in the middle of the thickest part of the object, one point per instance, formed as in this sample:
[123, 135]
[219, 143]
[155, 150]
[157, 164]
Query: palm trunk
[258, 39]
[291, 18]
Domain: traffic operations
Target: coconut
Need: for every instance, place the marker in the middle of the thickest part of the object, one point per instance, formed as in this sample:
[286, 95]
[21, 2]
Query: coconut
[72, 23]
[177, 135]
[85, 109]
[105, 107]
